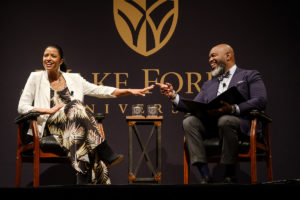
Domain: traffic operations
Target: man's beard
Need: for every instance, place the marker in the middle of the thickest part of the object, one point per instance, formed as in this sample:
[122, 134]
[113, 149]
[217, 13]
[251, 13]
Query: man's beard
[219, 70]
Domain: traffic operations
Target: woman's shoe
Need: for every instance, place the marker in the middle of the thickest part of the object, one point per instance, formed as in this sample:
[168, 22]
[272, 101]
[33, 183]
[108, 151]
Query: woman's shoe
[117, 158]
[107, 155]
[82, 179]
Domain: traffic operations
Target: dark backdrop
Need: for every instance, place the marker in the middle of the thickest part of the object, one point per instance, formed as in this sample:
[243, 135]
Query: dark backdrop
[264, 35]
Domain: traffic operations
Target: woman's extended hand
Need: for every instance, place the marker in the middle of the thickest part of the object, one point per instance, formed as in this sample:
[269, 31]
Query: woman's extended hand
[140, 92]
[135, 92]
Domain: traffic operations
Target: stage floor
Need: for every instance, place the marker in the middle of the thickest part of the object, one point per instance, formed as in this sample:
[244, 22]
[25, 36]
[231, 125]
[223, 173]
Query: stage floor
[286, 187]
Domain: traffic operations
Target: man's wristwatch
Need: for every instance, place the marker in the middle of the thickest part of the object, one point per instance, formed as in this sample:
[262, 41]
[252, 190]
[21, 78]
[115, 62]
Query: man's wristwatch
[233, 110]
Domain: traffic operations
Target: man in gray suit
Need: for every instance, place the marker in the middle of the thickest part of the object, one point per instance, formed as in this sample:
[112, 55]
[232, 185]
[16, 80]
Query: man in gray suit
[228, 121]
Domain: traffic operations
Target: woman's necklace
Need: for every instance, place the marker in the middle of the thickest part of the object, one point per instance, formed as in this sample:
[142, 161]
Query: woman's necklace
[58, 85]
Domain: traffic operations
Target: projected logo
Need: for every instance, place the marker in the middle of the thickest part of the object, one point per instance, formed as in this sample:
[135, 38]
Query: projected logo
[146, 25]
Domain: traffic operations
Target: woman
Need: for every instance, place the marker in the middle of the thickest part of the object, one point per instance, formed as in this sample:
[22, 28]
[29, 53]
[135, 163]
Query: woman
[58, 96]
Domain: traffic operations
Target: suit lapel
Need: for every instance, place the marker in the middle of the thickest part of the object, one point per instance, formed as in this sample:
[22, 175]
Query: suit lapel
[235, 78]
[213, 90]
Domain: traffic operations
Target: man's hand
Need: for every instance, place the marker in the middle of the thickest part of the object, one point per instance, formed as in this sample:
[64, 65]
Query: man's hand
[167, 90]
[226, 108]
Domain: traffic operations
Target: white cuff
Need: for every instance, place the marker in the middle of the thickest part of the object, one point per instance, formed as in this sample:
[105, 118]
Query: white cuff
[237, 109]
[176, 99]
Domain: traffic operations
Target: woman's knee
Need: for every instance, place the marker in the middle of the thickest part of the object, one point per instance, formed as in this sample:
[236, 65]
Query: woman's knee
[75, 109]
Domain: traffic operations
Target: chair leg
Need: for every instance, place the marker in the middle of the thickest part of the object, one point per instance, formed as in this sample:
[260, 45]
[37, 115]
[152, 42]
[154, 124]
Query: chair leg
[18, 170]
[269, 154]
[269, 167]
[36, 154]
[19, 157]
[100, 126]
[253, 168]
[253, 152]
[36, 169]
[186, 166]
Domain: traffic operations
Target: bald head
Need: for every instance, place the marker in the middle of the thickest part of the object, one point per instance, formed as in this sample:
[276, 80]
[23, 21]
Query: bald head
[222, 53]
[224, 49]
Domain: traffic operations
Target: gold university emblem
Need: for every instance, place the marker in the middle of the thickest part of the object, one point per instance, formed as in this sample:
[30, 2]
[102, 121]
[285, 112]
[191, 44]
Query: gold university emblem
[146, 25]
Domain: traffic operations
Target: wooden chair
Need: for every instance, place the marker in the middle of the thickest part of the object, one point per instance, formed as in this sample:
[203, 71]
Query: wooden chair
[45, 150]
[256, 148]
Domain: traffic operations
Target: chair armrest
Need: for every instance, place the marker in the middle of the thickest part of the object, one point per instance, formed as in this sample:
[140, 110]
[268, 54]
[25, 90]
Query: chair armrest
[27, 116]
[99, 117]
[260, 115]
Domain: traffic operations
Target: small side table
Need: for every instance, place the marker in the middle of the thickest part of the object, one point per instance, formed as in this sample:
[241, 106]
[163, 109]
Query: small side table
[133, 122]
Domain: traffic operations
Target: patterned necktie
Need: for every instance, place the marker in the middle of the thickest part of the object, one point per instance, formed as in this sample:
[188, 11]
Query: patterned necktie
[226, 75]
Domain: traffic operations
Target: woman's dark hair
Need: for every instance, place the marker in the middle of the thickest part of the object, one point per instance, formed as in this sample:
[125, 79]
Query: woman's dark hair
[63, 66]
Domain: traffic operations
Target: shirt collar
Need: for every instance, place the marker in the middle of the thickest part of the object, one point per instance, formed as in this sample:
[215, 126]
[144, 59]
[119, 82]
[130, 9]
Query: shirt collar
[232, 69]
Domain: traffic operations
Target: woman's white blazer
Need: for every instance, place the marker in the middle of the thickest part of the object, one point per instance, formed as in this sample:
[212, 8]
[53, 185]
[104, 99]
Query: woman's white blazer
[36, 93]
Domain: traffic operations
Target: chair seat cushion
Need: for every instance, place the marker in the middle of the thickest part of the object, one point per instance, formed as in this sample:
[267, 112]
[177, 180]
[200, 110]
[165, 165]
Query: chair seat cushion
[49, 144]
[215, 143]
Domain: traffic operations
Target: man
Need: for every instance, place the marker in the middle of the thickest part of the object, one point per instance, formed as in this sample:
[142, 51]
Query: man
[227, 122]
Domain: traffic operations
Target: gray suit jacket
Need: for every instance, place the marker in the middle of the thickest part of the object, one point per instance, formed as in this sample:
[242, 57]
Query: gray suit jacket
[250, 85]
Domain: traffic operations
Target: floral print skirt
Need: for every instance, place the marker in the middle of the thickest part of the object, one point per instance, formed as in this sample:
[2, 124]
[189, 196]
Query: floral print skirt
[76, 130]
